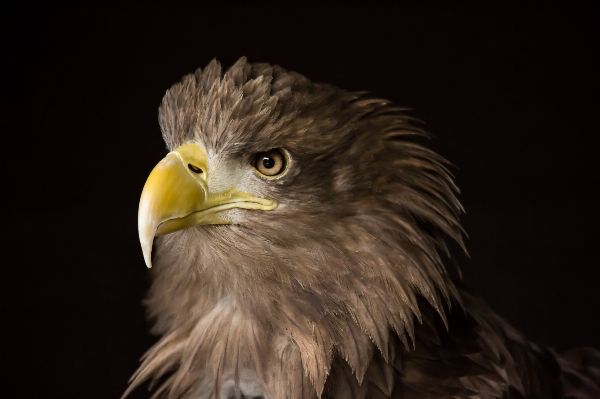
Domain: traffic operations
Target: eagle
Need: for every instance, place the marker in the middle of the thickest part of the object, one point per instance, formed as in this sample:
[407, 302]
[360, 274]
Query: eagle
[298, 235]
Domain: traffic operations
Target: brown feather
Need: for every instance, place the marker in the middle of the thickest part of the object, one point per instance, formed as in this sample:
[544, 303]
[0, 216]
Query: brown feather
[341, 291]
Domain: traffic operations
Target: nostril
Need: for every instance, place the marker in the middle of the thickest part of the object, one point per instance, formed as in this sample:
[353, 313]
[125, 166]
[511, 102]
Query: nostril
[194, 169]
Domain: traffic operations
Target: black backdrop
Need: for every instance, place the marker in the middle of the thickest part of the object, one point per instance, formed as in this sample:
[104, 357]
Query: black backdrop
[510, 91]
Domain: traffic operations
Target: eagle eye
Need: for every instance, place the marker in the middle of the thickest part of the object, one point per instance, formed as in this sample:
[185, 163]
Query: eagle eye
[270, 163]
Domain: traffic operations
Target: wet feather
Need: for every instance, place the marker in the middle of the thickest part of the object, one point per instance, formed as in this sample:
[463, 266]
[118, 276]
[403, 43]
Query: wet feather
[341, 292]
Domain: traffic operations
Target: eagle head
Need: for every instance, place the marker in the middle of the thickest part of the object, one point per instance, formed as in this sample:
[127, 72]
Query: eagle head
[291, 224]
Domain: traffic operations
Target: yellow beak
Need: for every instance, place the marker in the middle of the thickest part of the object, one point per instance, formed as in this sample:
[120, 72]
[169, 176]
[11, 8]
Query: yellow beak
[176, 196]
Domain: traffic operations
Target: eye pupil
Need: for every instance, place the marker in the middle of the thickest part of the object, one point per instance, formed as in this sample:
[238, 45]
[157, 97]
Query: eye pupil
[268, 162]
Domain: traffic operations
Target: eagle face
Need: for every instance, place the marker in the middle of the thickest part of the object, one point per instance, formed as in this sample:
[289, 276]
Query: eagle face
[292, 224]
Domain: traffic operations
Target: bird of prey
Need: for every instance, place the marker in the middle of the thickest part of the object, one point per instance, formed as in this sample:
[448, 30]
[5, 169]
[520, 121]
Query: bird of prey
[297, 235]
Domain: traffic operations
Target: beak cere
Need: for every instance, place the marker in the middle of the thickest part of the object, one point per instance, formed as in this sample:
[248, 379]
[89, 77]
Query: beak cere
[176, 196]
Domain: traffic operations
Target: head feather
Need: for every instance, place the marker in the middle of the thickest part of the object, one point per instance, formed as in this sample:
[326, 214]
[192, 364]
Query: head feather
[340, 264]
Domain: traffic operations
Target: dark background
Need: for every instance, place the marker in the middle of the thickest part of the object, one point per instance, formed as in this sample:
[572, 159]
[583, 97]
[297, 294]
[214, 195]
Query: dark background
[509, 90]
